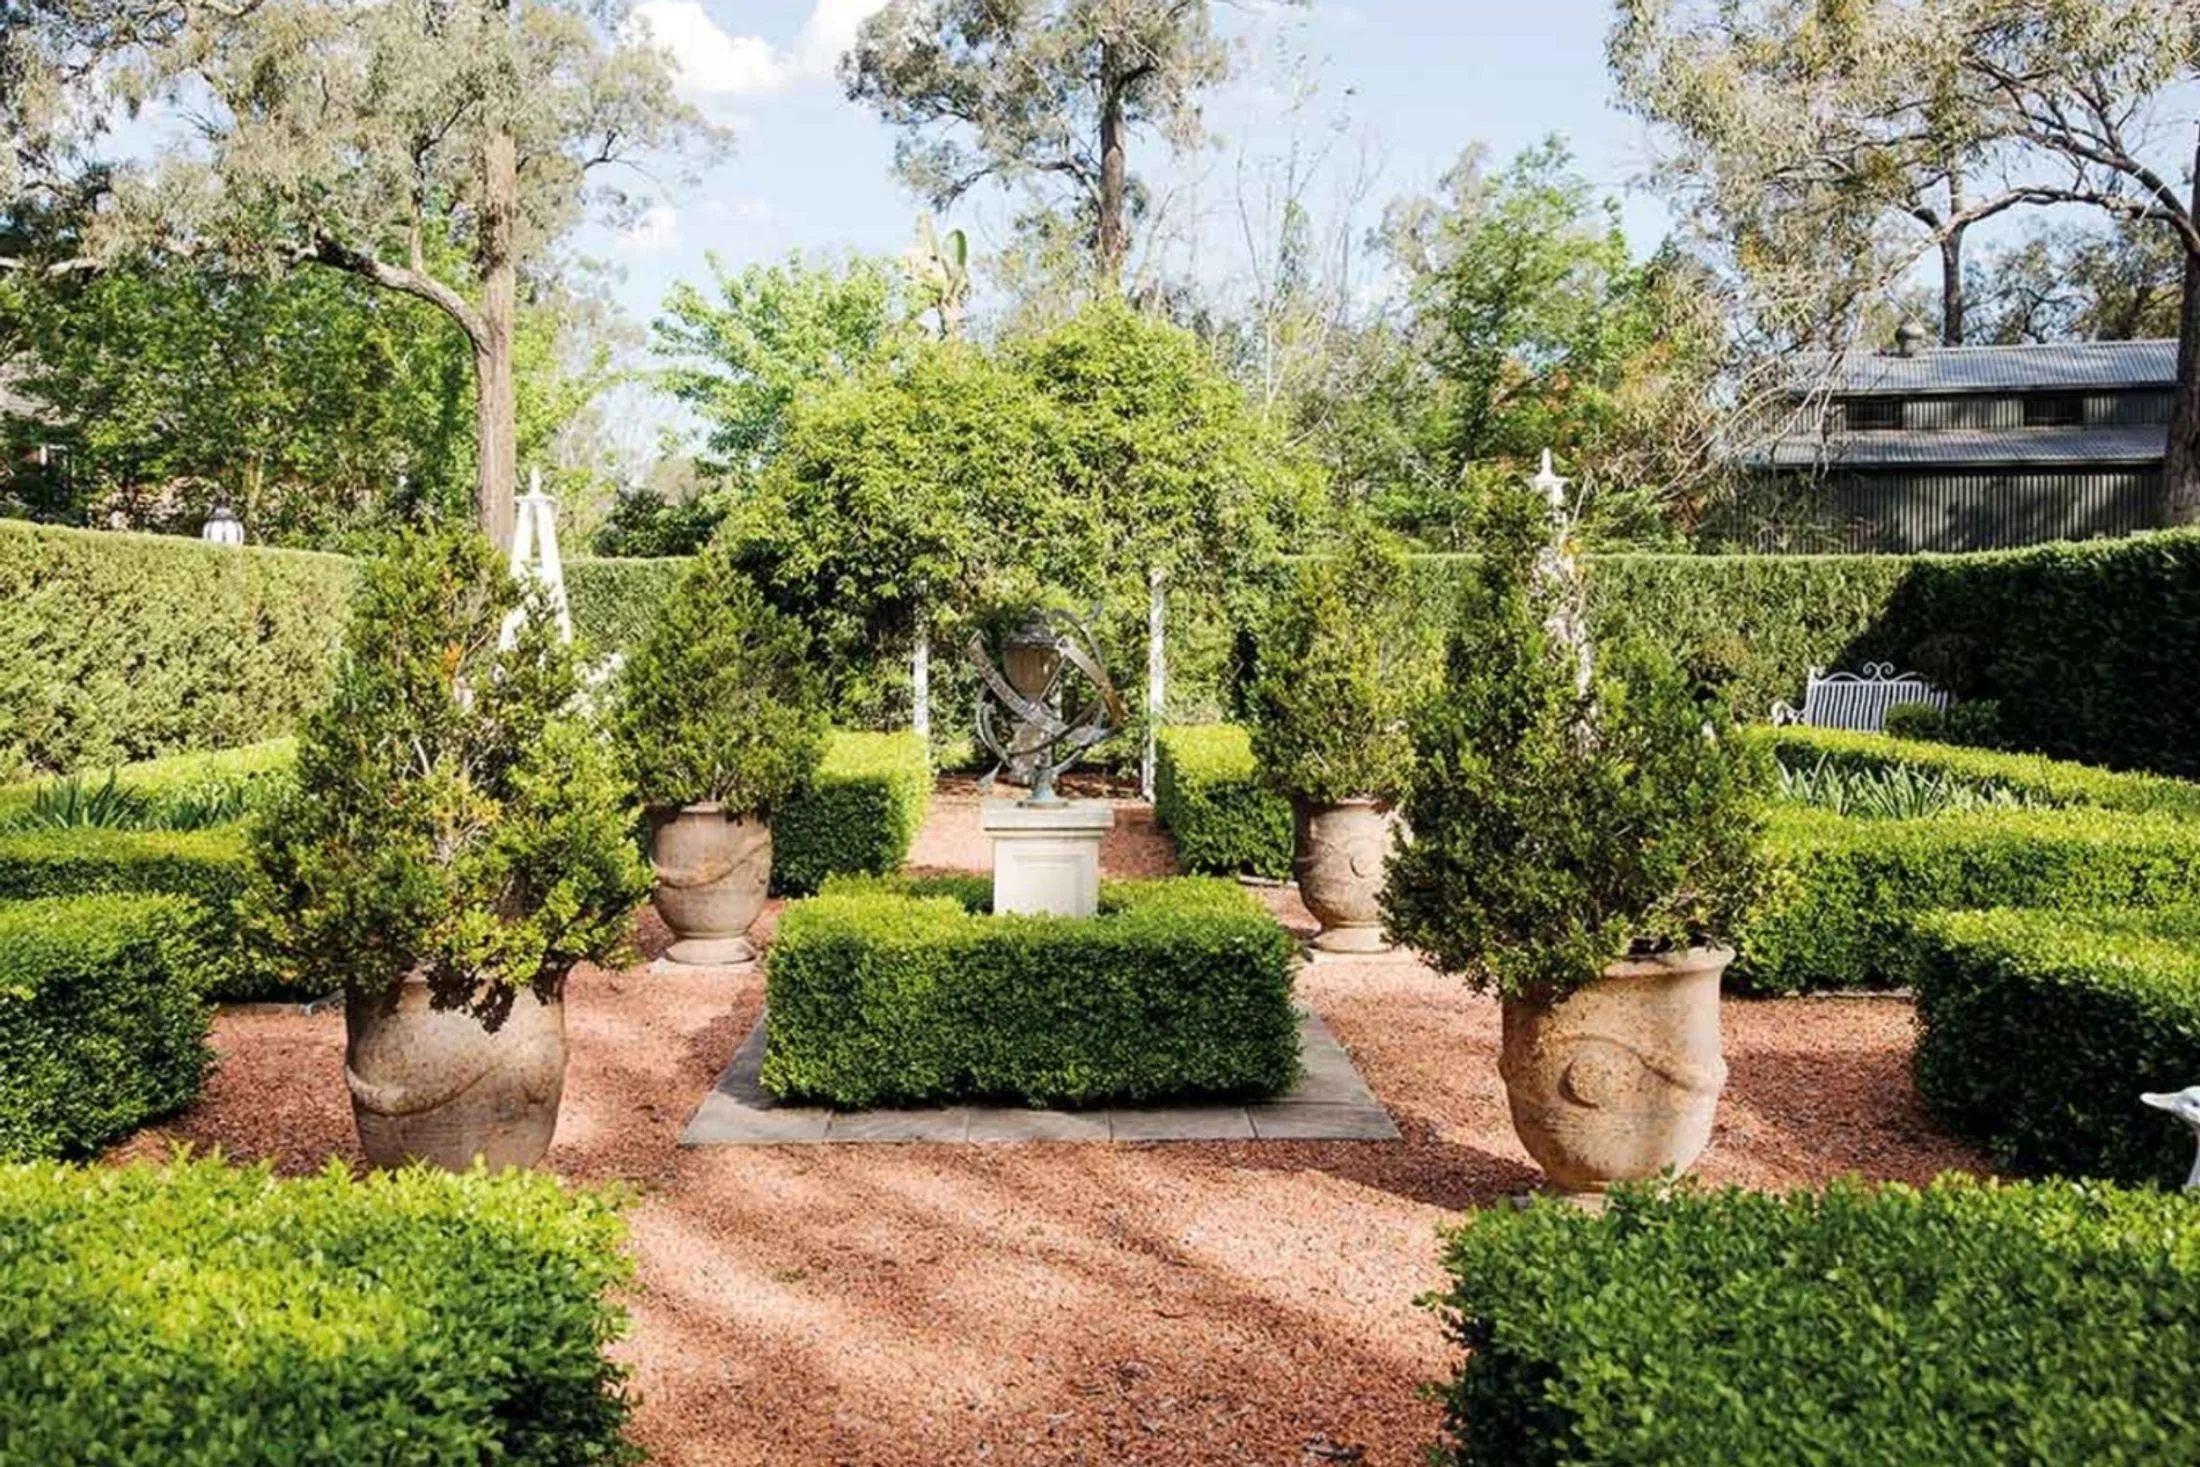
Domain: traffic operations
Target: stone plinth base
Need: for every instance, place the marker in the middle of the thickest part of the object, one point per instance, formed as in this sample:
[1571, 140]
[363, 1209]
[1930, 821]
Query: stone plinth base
[1046, 858]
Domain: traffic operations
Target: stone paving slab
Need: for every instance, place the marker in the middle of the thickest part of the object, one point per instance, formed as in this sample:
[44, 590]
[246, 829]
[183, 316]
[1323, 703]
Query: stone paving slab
[1331, 1102]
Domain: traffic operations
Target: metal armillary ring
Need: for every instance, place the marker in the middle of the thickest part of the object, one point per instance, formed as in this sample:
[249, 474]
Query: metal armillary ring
[1046, 730]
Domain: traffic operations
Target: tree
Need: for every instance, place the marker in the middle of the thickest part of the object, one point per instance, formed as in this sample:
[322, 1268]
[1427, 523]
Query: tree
[2067, 283]
[2079, 102]
[1032, 92]
[349, 134]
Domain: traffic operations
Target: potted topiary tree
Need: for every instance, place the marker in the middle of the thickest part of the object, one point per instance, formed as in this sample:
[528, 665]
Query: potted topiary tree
[1583, 838]
[721, 717]
[456, 840]
[1341, 664]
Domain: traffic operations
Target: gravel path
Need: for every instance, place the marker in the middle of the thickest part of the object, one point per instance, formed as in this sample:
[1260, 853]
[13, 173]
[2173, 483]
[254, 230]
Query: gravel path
[1224, 1303]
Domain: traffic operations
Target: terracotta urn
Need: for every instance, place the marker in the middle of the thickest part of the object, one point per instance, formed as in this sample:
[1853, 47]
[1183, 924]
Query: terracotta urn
[1339, 852]
[1621, 1078]
[433, 1085]
[713, 867]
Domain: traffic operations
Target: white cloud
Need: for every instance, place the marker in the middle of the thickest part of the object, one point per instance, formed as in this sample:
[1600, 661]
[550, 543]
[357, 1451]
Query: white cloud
[714, 64]
[658, 228]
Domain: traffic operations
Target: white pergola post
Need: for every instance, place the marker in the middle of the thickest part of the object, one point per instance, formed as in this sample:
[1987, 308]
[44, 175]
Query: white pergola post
[920, 680]
[1157, 670]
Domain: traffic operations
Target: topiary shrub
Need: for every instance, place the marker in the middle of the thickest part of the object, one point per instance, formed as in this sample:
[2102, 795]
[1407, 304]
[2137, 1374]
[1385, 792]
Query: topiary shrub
[2037, 1030]
[858, 814]
[102, 1027]
[1562, 815]
[1916, 721]
[1341, 667]
[1849, 889]
[1965, 1325]
[201, 1314]
[1208, 795]
[880, 995]
[453, 813]
[719, 705]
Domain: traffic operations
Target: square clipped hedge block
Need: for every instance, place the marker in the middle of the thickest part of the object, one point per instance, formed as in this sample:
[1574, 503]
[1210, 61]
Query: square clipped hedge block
[2037, 1030]
[1963, 1325]
[101, 1023]
[1206, 793]
[202, 1315]
[900, 993]
[1849, 888]
[859, 815]
[207, 867]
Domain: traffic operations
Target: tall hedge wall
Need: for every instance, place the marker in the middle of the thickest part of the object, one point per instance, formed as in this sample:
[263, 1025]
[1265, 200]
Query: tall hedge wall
[122, 646]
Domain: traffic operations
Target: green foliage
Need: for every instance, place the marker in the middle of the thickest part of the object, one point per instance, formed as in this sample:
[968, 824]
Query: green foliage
[209, 868]
[1916, 721]
[858, 813]
[101, 1028]
[1895, 792]
[720, 704]
[614, 602]
[880, 996]
[1561, 821]
[1966, 1325]
[2038, 1029]
[119, 647]
[1207, 792]
[201, 1315]
[452, 813]
[1341, 669]
[2036, 780]
[1849, 889]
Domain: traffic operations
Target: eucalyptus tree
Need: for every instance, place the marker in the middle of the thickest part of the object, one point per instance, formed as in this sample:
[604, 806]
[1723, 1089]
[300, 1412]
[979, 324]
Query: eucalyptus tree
[1800, 158]
[1040, 94]
[349, 135]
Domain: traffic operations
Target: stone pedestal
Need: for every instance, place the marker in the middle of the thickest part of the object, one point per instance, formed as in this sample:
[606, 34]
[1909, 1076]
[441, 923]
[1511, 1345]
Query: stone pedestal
[1046, 858]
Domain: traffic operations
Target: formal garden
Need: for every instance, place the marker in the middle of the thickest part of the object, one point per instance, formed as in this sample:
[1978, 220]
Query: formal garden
[357, 1087]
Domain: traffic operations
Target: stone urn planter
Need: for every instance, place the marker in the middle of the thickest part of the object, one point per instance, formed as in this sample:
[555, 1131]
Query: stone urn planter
[712, 869]
[1338, 856]
[1620, 1079]
[432, 1085]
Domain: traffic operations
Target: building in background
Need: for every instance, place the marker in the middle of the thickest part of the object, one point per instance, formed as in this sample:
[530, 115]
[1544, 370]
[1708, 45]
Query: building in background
[1967, 448]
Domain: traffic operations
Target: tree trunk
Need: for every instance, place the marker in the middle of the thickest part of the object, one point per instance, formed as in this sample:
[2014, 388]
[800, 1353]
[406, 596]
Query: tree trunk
[496, 474]
[1951, 287]
[2181, 467]
[1113, 238]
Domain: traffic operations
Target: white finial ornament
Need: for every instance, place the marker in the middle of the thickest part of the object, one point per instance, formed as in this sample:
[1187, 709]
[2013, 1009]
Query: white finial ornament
[2185, 1105]
[1552, 486]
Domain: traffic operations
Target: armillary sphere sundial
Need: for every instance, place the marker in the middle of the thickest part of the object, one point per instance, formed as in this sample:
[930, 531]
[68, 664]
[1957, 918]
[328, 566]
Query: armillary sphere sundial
[1034, 723]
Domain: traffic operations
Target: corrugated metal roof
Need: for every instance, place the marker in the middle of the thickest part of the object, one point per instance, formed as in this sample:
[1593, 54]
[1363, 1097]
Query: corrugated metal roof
[2044, 367]
[2133, 444]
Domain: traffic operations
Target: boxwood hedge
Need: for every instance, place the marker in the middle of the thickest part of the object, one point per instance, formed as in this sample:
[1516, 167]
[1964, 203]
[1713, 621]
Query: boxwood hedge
[2037, 1031]
[1849, 888]
[859, 814]
[208, 867]
[1207, 795]
[883, 994]
[202, 1315]
[1964, 1325]
[2037, 779]
[101, 1024]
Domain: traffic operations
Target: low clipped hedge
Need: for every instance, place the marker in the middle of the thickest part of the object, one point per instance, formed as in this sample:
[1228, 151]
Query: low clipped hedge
[253, 770]
[1964, 1325]
[101, 1028]
[2037, 1031]
[209, 867]
[2035, 778]
[887, 993]
[200, 1315]
[1849, 888]
[859, 814]
[1205, 791]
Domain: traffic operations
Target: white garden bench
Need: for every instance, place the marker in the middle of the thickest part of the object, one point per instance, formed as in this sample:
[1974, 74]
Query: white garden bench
[1858, 700]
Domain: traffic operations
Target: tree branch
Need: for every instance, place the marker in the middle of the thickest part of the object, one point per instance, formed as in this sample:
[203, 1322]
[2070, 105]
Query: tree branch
[328, 250]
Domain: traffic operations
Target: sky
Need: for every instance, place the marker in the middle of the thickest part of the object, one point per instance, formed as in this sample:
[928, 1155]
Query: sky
[1386, 91]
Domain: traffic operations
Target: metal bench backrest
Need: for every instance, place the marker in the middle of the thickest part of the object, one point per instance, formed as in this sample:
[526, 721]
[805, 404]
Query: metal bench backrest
[1858, 700]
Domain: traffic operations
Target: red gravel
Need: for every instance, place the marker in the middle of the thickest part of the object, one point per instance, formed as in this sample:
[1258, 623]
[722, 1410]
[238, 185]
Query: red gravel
[1210, 1303]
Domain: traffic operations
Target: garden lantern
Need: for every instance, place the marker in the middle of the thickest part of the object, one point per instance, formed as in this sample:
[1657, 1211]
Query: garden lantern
[222, 526]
